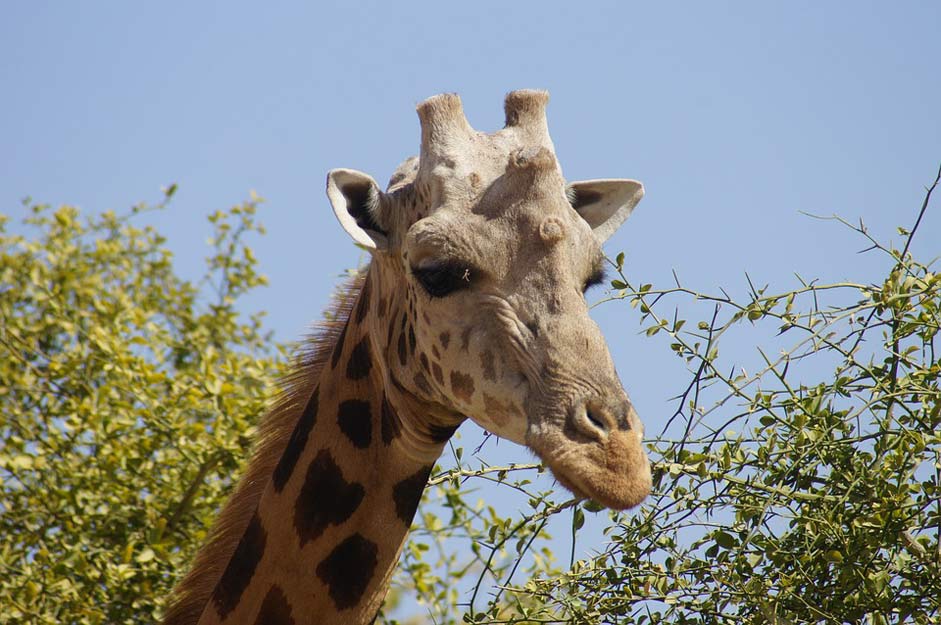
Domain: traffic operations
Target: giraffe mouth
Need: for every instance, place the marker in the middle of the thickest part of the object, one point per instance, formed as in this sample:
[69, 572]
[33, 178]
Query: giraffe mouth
[615, 471]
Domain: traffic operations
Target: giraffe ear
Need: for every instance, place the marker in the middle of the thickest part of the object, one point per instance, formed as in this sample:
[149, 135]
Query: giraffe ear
[604, 204]
[355, 198]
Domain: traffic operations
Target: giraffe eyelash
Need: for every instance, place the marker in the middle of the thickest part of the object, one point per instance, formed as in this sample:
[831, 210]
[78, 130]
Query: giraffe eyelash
[442, 279]
[598, 276]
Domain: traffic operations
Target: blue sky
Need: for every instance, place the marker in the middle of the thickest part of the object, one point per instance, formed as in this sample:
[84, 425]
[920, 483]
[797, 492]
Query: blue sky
[736, 116]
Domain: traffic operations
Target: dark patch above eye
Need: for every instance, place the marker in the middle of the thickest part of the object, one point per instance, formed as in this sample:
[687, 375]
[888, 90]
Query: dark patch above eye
[597, 277]
[442, 279]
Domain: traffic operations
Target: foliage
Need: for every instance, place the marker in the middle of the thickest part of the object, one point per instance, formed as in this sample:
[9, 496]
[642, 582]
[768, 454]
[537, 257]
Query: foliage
[127, 400]
[806, 490]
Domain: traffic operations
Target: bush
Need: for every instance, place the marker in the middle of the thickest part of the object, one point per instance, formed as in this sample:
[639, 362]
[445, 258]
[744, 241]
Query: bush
[127, 402]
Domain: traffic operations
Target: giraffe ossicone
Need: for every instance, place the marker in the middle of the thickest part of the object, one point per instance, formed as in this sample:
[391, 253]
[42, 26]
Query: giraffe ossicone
[472, 307]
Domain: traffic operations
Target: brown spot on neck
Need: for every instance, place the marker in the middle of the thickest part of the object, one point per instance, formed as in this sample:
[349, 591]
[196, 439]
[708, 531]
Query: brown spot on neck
[362, 307]
[441, 433]
[402, 351]
[438, 373]
[407, 494]
[241, 568]
[360, 361]
[422, 383]
[412, 341]
[486, 361]
[348, 570]
[338, 347]
[325, 499]
[382, 307]
[462, 385]
[390, 425]
[354, 416]
[391, 331]
[292, 453]
[275, 609]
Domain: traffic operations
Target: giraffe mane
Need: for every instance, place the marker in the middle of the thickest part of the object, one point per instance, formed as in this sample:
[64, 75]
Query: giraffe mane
[192, 594]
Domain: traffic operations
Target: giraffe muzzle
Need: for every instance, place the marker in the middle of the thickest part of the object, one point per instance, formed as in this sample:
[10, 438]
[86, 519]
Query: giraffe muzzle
[596, 451]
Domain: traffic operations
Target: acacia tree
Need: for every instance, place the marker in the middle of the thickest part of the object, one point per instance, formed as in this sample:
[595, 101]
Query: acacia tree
[805, 490]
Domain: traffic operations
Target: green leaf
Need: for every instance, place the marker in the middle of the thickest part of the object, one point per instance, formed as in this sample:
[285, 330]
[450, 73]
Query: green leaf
[724, 540]
[146, 555]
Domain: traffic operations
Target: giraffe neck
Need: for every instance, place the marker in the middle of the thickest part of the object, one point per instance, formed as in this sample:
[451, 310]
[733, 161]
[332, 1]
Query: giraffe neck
[329, 527]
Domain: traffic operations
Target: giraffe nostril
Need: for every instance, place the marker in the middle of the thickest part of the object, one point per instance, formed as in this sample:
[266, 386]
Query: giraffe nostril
[591, 421]
[595, 419]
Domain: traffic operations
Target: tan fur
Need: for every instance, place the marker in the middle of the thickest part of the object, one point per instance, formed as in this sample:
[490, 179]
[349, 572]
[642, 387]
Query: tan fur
[192, 594]
[527, 109]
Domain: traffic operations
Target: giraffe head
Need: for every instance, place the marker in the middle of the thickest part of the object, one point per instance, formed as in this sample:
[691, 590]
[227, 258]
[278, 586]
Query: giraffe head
[482, 254]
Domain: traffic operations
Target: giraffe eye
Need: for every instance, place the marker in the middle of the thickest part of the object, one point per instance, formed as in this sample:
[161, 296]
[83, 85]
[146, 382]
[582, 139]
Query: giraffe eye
[442, 279]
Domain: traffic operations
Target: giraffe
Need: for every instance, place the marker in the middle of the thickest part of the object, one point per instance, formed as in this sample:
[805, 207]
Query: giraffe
[472, 307]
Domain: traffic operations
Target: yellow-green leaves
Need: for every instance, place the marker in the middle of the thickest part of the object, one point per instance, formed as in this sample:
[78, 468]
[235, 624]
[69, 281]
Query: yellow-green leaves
[118, 388]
